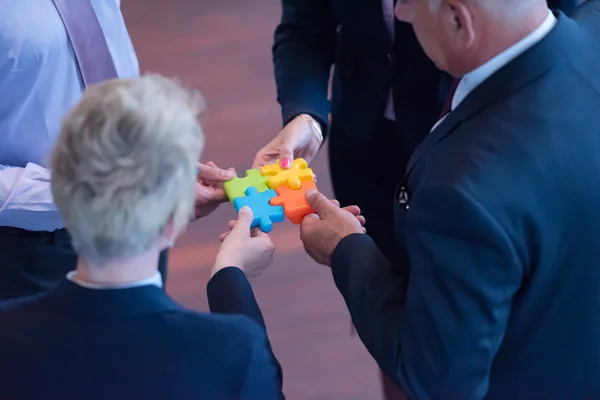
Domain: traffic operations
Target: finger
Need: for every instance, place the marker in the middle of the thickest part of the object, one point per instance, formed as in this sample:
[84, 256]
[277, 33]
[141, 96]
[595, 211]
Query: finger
[361, 219]
[223, 236]
[214, 174]
[308, 218]
[286, 150]
[354, 210]
[255, 232]
[334, 201]
[218, 195]
[320, 203]
[231, 223]
[211, 193]
[268, 154]
[244, 221]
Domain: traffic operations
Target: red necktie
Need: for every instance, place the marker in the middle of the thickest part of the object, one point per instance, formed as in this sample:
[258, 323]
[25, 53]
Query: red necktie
[448, 103]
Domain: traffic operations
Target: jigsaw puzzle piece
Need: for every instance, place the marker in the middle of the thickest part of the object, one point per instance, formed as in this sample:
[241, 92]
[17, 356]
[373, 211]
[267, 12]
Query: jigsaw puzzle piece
[264, 213]
[237, 186]
[292, 177]
[294, 202]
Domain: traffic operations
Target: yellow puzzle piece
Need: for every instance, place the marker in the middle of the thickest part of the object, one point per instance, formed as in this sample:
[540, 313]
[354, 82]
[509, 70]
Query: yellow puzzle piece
[293, 177]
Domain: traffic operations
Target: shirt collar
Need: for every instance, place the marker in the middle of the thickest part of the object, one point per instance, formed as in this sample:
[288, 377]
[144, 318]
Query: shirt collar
[474, 78]
[155, 279]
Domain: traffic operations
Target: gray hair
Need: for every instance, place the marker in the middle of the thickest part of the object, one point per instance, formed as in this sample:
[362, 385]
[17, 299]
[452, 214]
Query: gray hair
[512, 7]
[125, 165]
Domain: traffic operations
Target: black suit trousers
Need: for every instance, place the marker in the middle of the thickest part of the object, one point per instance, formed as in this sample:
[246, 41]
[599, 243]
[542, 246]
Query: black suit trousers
[34, 262]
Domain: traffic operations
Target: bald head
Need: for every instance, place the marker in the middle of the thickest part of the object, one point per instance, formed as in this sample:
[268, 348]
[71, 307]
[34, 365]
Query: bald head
[460, 35]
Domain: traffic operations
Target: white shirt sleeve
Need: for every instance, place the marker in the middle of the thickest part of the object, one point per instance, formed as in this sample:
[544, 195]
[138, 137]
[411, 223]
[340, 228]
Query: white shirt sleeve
[23, 190]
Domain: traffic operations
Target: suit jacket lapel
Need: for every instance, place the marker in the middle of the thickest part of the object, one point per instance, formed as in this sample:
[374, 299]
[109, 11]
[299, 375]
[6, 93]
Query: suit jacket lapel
[520, 72]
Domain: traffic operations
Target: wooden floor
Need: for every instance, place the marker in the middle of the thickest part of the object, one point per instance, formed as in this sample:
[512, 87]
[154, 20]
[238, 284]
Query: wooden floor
[223, 48]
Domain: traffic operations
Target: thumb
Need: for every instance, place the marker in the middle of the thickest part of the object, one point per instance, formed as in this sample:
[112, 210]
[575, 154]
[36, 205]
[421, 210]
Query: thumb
[286, 154]
[319, 202]
[288, 146]
[245, 218]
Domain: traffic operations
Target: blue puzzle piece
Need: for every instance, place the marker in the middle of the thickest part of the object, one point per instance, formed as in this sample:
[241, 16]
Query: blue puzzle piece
[264, 213]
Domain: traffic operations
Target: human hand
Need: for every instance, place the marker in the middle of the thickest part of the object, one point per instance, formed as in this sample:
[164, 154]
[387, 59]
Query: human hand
[251, 250]
[209, 188]
[322, 232]
[298, 139]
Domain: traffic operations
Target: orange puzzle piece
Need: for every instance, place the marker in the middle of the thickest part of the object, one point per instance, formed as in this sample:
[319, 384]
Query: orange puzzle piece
[293, 177]
[293, 201]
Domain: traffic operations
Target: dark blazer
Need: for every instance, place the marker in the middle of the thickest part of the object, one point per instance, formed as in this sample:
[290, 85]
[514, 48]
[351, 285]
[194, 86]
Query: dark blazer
[564, 5]
[77, 343]
[499, 220]
[313, 35]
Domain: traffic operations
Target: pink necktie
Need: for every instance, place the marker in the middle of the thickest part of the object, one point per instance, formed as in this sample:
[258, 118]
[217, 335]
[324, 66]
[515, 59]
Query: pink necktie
[87, 38]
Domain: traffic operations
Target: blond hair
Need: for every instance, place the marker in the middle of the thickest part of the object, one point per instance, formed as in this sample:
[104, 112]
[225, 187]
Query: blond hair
[125, 165]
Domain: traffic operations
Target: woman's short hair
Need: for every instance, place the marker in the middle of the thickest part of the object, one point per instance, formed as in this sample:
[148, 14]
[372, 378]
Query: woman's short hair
[125, 165]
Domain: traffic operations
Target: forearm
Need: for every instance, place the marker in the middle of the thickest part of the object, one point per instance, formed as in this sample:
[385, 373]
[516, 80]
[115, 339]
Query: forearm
[303, 54]
[374, 295]
[441, 334]
[26, 198]
[230, 292]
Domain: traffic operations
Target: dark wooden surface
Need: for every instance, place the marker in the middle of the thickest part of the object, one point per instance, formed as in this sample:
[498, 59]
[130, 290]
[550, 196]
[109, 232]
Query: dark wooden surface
[223, 48]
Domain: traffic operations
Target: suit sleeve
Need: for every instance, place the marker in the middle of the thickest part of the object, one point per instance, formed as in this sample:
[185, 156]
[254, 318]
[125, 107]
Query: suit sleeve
[229, 292]
[263, 376]
[303, 54]
[442, 336]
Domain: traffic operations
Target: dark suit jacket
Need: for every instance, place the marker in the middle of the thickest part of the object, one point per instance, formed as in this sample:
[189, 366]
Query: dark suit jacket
[313, 35]
[564, 5]
[77, 343]
[500, 228]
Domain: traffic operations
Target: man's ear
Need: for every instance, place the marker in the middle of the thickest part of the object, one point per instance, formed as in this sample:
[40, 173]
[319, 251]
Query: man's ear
[403, 11]
[459, 22]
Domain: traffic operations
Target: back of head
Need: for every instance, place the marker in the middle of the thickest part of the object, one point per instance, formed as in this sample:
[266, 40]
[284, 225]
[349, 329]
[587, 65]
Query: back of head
[124, 165]
[460, 35]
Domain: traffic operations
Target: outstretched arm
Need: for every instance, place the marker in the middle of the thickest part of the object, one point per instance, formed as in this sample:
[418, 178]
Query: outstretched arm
[464, 273]
[230, 292]
[303, 53]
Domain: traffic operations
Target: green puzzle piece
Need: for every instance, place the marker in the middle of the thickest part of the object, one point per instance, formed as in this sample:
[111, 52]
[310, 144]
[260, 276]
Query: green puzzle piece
[237, 186]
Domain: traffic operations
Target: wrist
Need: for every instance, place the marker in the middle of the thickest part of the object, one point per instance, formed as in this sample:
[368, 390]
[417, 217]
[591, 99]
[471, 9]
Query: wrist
[314, 126]
[222, 264]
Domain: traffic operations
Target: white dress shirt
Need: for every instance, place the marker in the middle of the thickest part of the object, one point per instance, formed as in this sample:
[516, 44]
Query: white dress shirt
[474, 78]
[155, 279]
[389, 20]
[39, 82]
